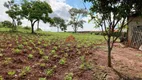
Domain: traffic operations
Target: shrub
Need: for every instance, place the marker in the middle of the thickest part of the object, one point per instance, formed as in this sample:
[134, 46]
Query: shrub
[27, 27]
[7, 24]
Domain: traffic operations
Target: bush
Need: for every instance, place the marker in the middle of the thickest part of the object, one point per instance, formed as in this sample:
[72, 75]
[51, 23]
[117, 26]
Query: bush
[7, 24]
[27, 27]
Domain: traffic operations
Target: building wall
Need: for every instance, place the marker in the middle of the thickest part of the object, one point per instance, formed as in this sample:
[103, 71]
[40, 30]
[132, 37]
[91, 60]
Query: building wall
[137, 21]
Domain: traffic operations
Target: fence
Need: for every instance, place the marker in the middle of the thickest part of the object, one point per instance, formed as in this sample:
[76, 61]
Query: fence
[136, 37]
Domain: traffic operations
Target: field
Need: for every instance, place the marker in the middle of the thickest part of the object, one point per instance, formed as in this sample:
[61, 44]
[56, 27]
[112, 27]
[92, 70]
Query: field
[60, 56]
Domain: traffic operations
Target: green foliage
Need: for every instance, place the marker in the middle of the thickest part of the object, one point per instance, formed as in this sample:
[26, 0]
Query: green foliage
[55, 48]
[42, 79]
[31, 10]
[7, 61]
[30, 56]
[42, 65]
[1, 78]
[20, 46]
[25, 70]
[11, 73]
[85, 65]
[49, 72]
[108, 14]
[41, 52]
[1, 54]
[69, 76]
[59, 23]
[6, 24]
[62, 61]
[16, 51]
[53, 51]
[46, 58]
[13, 12]
[76, 15]
[27, 27]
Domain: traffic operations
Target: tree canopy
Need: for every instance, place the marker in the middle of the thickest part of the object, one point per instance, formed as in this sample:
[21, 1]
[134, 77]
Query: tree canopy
[76, 18]
[13, 12]
[59, 23]
[35, 11]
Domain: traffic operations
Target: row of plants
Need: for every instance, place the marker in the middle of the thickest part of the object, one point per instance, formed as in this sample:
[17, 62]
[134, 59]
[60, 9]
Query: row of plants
[24, 55]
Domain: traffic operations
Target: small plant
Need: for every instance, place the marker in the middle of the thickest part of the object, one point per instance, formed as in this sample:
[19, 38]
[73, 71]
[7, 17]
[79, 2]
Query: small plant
[41, 52]
[66, 55]
[11, 73]
[55, 48]
[25, 43]
[38, 42]
[49, 72]
[69, 76]
[44, 45]
[85, 65]
[1, 55]
[25, 70]
[53, 51]
[30, 56]
[20, 46]
[30, 48]
[7, 61]
[62, 61]
[42, 65]
[42, 79]
[1, 78]
[16, 51]
[46, 58]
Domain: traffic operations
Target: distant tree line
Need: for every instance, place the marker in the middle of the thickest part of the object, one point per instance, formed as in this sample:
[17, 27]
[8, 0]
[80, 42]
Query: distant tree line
[35, 11]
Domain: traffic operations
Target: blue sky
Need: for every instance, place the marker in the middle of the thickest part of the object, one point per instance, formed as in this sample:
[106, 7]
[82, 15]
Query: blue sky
[78, 4]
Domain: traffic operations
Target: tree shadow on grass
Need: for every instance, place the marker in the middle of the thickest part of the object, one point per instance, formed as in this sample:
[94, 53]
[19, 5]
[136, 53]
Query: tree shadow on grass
[125, 77]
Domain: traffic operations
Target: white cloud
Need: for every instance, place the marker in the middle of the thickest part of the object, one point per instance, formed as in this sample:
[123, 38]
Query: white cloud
[60, 9]
[3, 15]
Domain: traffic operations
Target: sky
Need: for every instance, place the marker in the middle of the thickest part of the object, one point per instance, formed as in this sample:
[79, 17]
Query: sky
[60, 9]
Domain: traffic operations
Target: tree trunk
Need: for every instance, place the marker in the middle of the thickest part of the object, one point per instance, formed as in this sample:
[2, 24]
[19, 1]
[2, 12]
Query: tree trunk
[32, 25]
[14, 28]
[38, 25]
[75, 29]
[57, 29]
[109, 52]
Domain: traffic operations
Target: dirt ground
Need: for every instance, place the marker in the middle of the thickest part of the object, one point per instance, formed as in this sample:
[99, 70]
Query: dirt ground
[126, 62]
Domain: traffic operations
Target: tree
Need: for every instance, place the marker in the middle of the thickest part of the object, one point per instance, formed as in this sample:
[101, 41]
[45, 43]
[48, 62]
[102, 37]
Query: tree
[107, 14]
[35, 11]
[76, 16]
[13, 12]
[59, 23]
